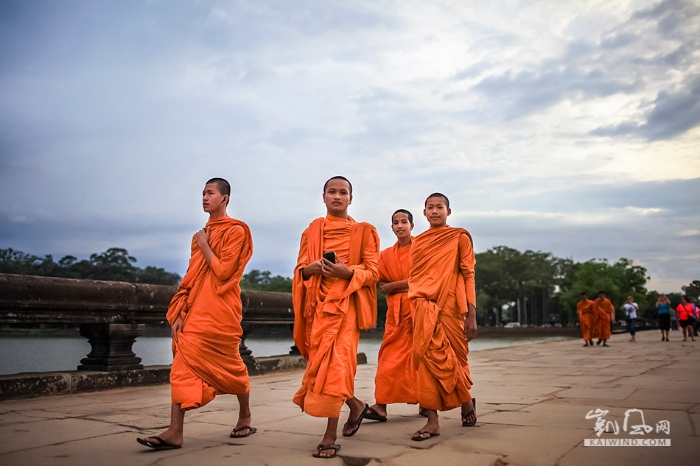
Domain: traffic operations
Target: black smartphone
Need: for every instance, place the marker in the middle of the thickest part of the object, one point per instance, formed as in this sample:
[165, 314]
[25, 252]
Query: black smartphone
[329, 256]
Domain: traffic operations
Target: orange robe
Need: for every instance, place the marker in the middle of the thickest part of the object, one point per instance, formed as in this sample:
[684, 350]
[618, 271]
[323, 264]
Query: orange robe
[440, 285]
[329, 312]
[206, 358]
[585, 318]
[605, 312]
[395, 381]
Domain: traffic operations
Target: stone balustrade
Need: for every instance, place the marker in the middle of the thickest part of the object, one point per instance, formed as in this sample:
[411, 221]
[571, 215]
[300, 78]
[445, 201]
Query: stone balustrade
[112, 315]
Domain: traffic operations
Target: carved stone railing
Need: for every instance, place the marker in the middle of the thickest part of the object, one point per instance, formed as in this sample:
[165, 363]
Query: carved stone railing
[113, 314]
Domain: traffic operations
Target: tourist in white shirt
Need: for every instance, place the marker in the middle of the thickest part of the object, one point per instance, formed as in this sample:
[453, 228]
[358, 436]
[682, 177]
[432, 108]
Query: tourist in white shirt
[630, 308]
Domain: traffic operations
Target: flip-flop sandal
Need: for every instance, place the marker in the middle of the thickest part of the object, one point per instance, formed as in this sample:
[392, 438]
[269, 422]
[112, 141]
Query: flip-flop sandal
[251, 431]
[161, 445]
[355, 426]
[331, 446]
[373, 415]
[464, 416]
[418, 436]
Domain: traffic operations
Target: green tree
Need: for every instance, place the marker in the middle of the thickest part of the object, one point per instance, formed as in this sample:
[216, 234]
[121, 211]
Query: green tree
[257, 280]
[113, 264]
[693, 289]
[617, 281]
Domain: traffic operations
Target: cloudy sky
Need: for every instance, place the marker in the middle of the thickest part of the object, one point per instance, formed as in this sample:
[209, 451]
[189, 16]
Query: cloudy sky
[567, 127]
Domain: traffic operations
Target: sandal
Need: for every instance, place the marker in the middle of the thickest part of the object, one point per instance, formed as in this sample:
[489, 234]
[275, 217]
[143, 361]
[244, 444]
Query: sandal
[351, 428]
[373, 415]
[236, 430]
[419, 436]
[160, 444]
[465, 416]
[331, 446]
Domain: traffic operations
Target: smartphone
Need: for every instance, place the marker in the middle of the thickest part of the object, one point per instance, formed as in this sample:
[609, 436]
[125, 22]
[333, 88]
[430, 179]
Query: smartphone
[329, 256]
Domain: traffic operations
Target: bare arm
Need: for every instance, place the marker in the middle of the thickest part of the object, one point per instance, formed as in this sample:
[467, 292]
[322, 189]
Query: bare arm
[388, 288]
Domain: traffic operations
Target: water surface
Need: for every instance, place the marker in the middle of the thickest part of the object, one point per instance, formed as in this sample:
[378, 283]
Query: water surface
[43, 354]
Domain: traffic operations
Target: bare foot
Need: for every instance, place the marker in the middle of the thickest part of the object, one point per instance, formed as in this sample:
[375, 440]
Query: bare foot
[469, 413]
[326, 450]
[376, 412]
[243, 428]
[430, 429]
[357, 411]
[379, 409]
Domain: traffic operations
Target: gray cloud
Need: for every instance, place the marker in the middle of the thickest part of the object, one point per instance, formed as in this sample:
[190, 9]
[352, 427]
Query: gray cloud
[672, 114]
[526, 92]
[617, 61]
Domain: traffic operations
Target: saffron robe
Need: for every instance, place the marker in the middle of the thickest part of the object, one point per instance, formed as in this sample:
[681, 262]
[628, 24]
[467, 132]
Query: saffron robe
[605, 312]
[585, 318]
[328, 311]
[206, 358]
[440, 285]
[395, 381]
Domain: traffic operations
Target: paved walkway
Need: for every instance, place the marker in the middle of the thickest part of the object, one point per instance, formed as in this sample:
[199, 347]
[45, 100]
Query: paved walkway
[533, 400]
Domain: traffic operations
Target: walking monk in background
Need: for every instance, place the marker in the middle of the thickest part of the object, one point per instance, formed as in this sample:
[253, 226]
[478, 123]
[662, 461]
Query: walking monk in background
[441, 288]
[334, 295]
[205, 318]
[584, 308]
[605, 313]
[395, 381]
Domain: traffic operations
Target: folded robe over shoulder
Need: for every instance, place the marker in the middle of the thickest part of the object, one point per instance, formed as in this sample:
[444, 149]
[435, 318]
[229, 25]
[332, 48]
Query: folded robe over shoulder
[329, 312]
[206, 358]
[395, 381]
[585, 312]
[440, 285]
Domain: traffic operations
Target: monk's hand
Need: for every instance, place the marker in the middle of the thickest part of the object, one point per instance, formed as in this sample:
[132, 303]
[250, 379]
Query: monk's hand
[470, 324]
[337, 270]
[400, 286]
[203, 237]
[176, 328]
[388, 288]
[314, 268]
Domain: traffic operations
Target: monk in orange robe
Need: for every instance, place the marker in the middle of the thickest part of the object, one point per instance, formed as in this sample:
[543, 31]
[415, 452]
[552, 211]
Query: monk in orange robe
[441, 288]
[584, 309]
[605, 313]
[334, 296]
[395, 381]
[205, 317]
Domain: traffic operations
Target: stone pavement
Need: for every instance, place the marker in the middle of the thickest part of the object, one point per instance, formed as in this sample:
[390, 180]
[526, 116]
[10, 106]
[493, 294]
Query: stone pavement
[532, 406]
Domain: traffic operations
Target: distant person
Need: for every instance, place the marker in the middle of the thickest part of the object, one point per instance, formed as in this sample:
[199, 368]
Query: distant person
[441, 288]
[605, 314]
[334, 293]
[674, 319]
[663, 307]
[395, 381]
[630, 308]
[584, 308]
[686, 316]
[205, 318]
[696, 315]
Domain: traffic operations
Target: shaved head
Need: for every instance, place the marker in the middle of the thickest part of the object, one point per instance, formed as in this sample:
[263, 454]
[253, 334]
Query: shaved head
[447, 201]
[403, 211]
[222, 185]
[337, 178]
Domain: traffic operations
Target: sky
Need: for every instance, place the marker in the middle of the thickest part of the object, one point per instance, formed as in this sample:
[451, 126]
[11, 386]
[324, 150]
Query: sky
[565, 127]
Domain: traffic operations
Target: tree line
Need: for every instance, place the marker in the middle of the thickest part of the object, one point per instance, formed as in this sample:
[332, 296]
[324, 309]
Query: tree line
[530, 287]
[114, 264]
